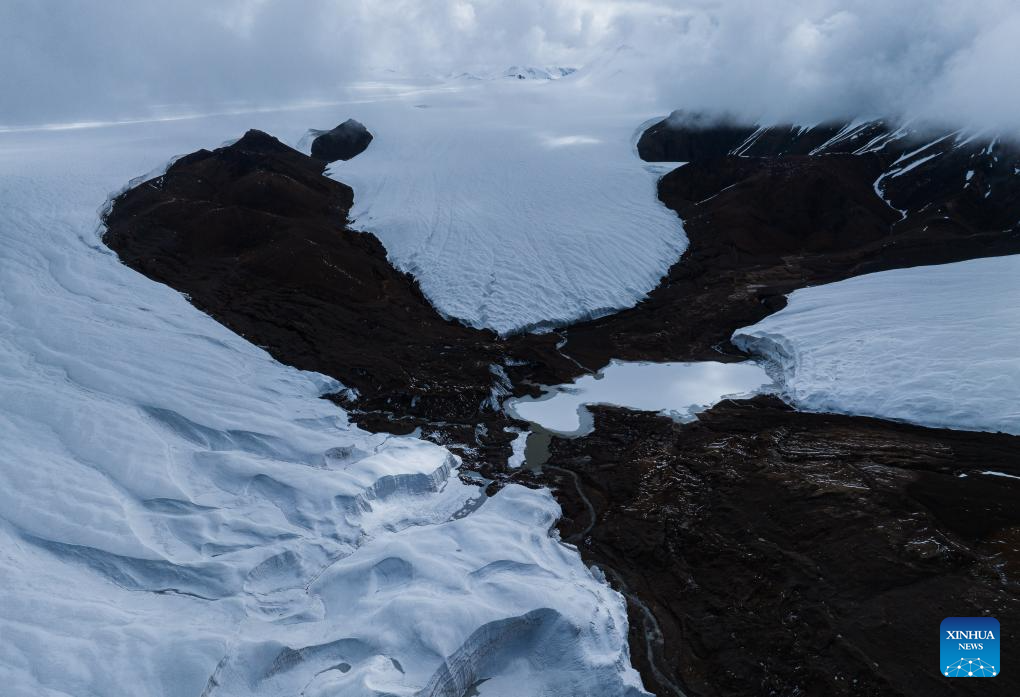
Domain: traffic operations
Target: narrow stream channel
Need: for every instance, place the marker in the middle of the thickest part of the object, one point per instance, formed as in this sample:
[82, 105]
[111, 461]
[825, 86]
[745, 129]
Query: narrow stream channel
[678, 390]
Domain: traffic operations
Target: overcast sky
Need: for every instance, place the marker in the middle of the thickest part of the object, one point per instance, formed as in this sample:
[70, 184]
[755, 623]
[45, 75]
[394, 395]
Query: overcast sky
[72, 60]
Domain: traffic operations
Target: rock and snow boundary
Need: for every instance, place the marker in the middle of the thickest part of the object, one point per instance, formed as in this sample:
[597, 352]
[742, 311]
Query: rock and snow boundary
[181, 515]
[516, 204]
[933, 345]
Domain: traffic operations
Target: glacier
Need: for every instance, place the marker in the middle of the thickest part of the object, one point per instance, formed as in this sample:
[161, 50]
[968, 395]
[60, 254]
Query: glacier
[936, 346]
[181, 515]
[517, 204]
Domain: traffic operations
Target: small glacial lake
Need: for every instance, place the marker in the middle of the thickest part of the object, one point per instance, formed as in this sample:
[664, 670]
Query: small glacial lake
[679, 390]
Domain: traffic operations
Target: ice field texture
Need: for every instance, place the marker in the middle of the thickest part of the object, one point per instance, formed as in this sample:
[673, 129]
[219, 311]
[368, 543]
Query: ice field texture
[932, 345]
[516, 203]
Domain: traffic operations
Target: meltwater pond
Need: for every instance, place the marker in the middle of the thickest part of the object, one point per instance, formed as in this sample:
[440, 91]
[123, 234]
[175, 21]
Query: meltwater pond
[679, 390]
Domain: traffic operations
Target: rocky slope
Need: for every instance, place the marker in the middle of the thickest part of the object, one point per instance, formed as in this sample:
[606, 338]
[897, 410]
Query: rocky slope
[769, 210]
[256, 236]
[785, 553]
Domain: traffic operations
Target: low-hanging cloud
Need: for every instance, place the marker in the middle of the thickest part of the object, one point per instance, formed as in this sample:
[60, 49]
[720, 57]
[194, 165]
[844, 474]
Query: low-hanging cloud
[801, 60]
[811, 60]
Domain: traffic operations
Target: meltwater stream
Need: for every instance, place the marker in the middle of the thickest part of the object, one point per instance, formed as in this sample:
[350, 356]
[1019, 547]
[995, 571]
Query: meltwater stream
[678, 390]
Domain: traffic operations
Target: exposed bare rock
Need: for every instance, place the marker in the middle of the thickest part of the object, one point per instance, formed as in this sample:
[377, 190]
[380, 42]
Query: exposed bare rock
[347, 140]
[785, 553]
[789, 207]
[258, 238]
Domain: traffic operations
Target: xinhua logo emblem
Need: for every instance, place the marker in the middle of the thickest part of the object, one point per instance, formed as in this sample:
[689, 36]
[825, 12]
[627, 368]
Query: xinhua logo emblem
[969, 647]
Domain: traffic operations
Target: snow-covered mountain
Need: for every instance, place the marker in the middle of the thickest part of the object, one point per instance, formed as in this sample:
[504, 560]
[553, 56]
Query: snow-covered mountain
[527, 72]
[515, 72]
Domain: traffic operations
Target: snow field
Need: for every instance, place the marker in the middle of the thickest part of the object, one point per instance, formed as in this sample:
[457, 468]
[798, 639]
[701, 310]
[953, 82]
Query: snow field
[516, 204]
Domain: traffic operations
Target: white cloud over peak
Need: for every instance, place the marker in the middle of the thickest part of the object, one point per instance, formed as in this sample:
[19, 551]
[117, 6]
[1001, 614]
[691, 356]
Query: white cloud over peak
[772, 59]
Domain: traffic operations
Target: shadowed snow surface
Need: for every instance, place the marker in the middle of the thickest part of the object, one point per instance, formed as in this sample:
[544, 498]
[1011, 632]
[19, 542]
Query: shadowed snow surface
[181, 515]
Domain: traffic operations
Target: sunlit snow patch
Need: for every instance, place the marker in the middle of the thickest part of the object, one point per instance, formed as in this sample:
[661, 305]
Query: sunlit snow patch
[679, 390]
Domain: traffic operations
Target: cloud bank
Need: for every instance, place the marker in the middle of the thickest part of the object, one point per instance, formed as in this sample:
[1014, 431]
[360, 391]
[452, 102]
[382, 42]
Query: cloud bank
[805, 60]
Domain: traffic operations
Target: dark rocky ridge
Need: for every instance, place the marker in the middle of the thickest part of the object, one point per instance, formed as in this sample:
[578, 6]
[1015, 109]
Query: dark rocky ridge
[258, 238]
[765, 575]
[347, 140]
[785, 553]
[770, 210]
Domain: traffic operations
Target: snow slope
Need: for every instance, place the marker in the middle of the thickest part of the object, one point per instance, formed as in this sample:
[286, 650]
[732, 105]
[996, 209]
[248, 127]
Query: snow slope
[181, 515]
[517, 203]
[935, 345]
